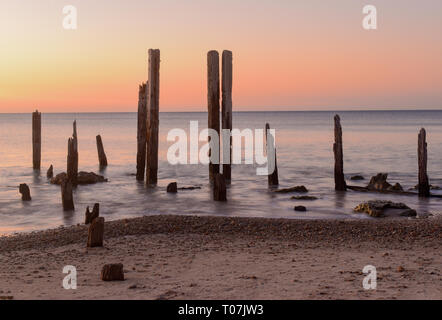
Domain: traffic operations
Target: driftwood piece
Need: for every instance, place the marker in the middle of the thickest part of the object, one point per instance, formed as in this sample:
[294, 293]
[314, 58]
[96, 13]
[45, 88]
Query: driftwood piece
[50, 172]
[96, 233]
[91, 215]
[36, 139]
[273, 179]
[67, 198]
[112, 272]
[227, 76]
[141, 131]
[219, 188]
[102, 159]
[153, 105]
[424, 185]
[213, 109]
[25, 192]
[340, 184]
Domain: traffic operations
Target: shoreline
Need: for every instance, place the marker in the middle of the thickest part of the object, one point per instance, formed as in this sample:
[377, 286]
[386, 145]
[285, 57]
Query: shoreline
[193, 257]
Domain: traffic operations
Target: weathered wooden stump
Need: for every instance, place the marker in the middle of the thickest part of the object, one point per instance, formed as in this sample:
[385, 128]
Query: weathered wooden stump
[75, 152]
[227, 75]
[219, 188]
[25, 192]
[36, 139]
[72, 158]
[424, 184]
[96, 233]
[272, 178]
[112, 272]
[91, 215]
[340, 184]
[142, 131]
[67, 198]
[50, 172]
[172, 187]
[153, 106]
[213, 109]
[102, 159]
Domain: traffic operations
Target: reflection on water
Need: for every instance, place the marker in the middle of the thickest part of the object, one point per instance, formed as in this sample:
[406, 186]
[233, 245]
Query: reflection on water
[373, 142]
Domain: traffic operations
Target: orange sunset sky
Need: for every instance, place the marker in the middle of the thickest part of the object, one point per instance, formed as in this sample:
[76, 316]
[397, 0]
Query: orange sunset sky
[288, 54]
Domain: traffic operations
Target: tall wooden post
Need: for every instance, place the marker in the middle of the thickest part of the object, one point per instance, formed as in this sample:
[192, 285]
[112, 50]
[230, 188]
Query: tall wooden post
[270, 145]
[213, 107]
[340, 184]
[153, 105]
[424, 185]
[70, 168]
[67, 198]
[227, 75]
[102, 159]
[36, 139]
[74, 153]
[141, 131]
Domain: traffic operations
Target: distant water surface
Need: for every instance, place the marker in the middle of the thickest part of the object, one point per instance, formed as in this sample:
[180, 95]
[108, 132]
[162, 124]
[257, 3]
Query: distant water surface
[374, 141]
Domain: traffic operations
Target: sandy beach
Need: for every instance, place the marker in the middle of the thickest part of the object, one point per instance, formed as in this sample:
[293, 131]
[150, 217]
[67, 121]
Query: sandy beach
[186, 257]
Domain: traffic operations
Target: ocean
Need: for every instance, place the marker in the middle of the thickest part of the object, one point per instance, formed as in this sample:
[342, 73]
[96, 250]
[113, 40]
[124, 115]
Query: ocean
[374, 141]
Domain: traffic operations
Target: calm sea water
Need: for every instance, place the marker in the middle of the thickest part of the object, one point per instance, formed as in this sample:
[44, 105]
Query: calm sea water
[375, 141]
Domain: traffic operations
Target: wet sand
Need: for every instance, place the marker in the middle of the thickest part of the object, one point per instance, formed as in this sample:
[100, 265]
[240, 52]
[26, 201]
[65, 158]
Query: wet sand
[184, 257]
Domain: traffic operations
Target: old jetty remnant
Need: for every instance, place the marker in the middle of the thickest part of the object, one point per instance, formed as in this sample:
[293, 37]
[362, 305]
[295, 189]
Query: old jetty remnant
[153, 105]
[340, 184]
[71, 158]
[273, 179]
[91, 215]
[96, 233]
[213, 96]
[36, 140]
[50, 172]
[141, 131]
[424, 185]
[219, 188]
[112, 272]
[25, 192]
[227, 76]
[67, 198]
[102, 159]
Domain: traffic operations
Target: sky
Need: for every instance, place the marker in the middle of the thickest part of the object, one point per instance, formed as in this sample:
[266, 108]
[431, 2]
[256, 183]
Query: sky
[287, 54]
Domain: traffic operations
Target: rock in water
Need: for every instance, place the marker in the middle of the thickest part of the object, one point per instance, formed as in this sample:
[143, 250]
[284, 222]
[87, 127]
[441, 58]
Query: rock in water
[50, 172]
[172, 187]
[25, 192]
[90, 216]
[357, 177]
[96, 233]
[112, 272]
[308, 198]
[300, 189]
[300, 208]
[379, 183]
[82, 178]
[378, 209]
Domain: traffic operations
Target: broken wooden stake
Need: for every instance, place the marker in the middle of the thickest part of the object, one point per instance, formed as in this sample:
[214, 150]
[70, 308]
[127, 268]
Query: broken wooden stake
[70, 170]
[273, 179]
[153, 105]
[213, 110]
[340, 184]
[227, 75]
[75, 152]
[91, 215]
[219, 188]
[96, 233]
[112, 272]
[50, 172]
[25, 192]
[67, 198]
[424, 185]
[141, 131]
[172, 187]
[36, 139]
[102, 159]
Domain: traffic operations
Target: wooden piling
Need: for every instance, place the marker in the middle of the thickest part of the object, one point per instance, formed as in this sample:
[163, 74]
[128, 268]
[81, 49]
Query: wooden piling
[227, 76]
[273, 179]
[213, 107]
[50, 172]
[424, 185]
[75, 152]
[36, 140]
[96, 233]
[153, 105]
[70, 170]
[102, 159]
[25, 192]
[67, 198]
[141, 131]
[340, 184]
[91, 215]
[219, 188]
